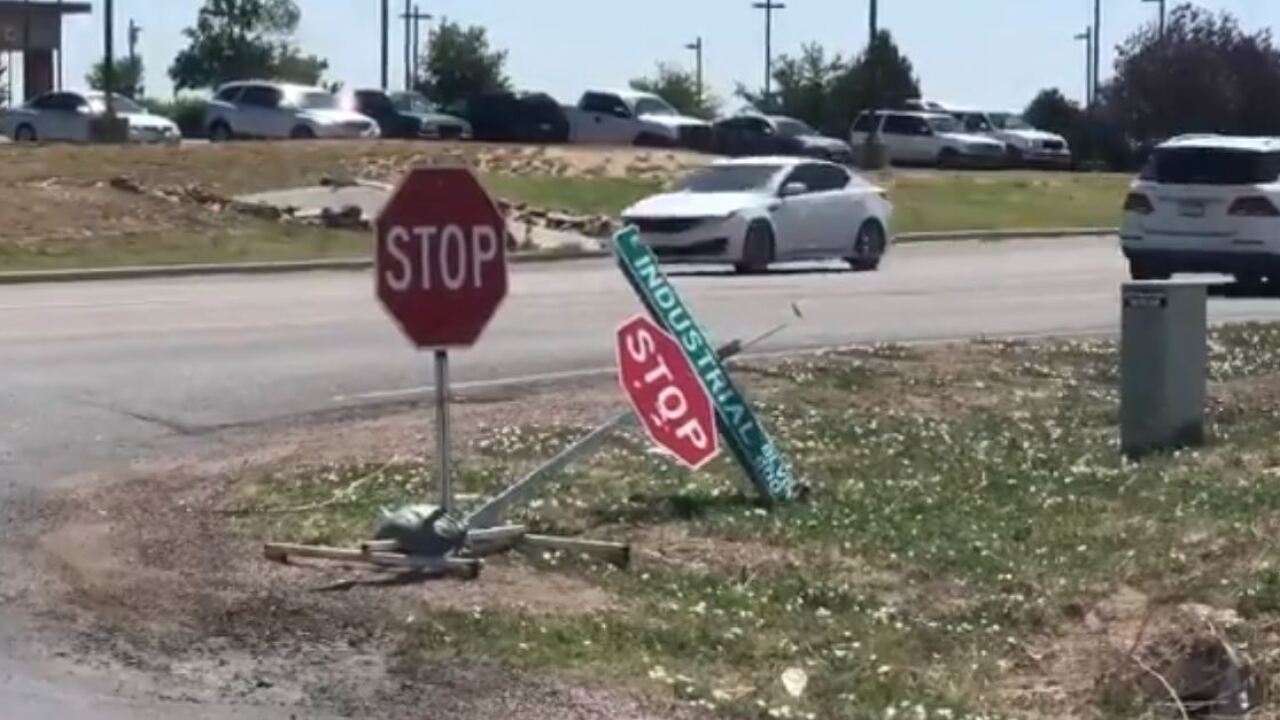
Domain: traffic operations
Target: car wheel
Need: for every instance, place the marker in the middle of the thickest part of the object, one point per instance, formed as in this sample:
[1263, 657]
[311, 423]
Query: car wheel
[302, 132]
[868, 247]
[220, 132]
[757, 249]
[948, 158]
[1147, 271]
[1013, 156]
[25, 133]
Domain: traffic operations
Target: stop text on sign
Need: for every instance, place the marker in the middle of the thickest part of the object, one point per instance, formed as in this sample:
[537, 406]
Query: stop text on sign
[452, 257]
[667, 395]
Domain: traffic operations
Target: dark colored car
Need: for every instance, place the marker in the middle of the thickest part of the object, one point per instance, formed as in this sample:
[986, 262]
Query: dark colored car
[408, 115]
[749, 135]
[511, 117]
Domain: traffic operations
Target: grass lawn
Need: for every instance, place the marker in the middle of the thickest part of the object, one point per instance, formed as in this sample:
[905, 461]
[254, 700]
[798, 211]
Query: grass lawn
[974, 546]
[61, 211]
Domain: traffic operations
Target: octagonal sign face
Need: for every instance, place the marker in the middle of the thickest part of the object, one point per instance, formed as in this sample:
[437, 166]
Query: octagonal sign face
[670, 400]
[440, 257]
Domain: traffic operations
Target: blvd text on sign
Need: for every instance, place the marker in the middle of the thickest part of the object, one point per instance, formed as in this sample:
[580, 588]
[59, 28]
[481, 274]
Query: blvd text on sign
[746, 437]
[666, 393]
[440, 257]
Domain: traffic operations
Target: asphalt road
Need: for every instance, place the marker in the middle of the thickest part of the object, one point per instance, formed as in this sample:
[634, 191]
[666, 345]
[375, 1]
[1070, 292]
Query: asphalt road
[94, 375]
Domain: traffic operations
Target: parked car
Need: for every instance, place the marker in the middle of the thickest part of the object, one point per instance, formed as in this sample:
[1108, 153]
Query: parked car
[405, 115]
[272, 110]
[751, 212]
[1206, 204]
[517, 117]
[1024, 144]
[747, 135]
[629, 117]
[66, 116]
[928, 138]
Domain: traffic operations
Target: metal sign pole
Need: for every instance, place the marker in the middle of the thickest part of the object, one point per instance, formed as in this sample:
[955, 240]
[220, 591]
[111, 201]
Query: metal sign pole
[443, 467]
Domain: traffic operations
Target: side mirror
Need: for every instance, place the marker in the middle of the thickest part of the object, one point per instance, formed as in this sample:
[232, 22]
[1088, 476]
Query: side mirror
[792, 189]
[621, 112]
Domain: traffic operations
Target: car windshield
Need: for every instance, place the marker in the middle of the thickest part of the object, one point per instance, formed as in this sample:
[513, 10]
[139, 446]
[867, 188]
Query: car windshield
[788, 127]
[313, 100]
[122, 104]
[413, 102]
[1009, 121]
[944, 124]
[730, 178]
[654, 106]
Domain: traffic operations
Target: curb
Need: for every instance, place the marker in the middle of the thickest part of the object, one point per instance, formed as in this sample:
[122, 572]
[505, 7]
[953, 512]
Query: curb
[356, 263]
[1040, 234]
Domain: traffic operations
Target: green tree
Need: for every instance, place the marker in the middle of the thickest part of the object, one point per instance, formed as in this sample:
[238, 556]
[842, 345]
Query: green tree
[129, 75]
[680, 88]
[828, 92]
[239, 39]
[1205, 74]
[459, 63]
[1051, 110]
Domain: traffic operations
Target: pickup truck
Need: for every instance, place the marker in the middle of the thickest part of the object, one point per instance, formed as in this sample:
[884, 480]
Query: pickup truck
[630, 117]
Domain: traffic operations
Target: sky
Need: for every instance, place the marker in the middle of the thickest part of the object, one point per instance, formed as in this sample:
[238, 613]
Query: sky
[993, 54]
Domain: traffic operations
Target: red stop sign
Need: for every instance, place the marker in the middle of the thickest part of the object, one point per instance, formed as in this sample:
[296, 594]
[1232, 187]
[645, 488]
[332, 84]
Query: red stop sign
[665, 392]
[440, 257]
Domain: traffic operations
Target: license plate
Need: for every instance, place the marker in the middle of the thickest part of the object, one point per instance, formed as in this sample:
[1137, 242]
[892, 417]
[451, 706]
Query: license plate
[1191, 208]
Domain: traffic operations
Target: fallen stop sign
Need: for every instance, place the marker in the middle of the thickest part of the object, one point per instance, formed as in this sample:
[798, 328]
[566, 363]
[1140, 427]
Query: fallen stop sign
[670, 400]
[440, 257]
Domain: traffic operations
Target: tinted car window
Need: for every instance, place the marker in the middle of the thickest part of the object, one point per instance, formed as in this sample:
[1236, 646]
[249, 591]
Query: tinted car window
[1212, 166]
[828, 178]
[60, 101]
[602, 103]
[261, 96]
[902, 125]
[230, 94]
[371, 101]
[865, 123]
[812, 177]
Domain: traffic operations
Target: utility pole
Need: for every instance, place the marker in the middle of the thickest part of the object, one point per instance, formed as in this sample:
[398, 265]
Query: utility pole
[58, 80]
[696, 47]
[386, 44]
[413, 19]
[1162, 14]
[769, 7]
[135, 31]
[1087, 38]
[1097, 47]
[109, 55]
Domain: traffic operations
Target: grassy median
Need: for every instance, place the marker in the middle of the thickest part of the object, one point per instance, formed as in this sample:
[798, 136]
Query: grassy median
[64, 206]
[975, 547]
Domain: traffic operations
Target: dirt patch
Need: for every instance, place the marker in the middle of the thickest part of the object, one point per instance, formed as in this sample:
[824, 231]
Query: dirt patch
[1132, 652]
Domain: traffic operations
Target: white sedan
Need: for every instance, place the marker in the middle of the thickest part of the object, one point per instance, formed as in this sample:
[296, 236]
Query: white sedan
[752, 212]
[66, 117]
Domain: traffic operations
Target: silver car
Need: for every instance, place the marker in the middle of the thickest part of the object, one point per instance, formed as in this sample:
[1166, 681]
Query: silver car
[271, 110]
[67, 116]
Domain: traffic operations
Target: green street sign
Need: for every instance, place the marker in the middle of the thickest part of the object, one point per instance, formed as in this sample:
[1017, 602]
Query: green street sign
[745, 437]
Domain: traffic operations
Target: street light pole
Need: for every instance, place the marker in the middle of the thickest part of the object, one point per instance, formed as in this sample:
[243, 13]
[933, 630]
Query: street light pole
[386, 44]
[1162, 14]
[769, 7]
[1087, 37]
[1097, 48]
[108, 60]
[135, 31]
[696, 47]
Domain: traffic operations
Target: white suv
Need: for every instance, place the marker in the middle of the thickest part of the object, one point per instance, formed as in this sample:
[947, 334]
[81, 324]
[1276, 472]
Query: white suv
[257, 109]
[1025, 144]
[1206, 204]
[928, 138]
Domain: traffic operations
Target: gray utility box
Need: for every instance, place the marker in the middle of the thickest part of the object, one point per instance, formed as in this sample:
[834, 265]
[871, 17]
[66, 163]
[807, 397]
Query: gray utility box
[1164, 365]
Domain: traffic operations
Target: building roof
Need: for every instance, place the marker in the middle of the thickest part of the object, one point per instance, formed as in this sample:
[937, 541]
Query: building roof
[64, 8]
